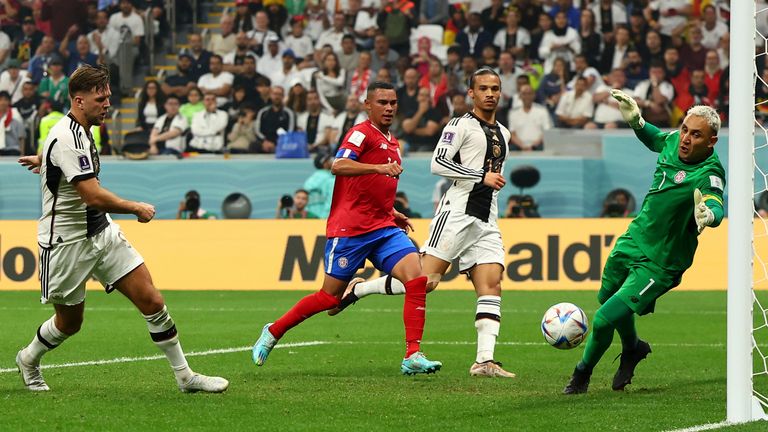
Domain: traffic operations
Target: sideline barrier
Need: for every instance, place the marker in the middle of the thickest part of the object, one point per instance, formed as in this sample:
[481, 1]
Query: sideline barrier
[542, 254]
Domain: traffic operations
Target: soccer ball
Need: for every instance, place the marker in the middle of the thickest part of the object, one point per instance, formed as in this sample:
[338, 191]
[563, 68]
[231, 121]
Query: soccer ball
[564, 326]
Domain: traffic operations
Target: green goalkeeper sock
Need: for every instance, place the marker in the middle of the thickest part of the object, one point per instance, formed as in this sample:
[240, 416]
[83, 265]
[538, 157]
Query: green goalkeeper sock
[597, 343]
[625, 326]
[613, 314]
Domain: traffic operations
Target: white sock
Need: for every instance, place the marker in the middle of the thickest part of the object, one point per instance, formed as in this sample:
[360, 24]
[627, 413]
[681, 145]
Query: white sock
[163, 333]
[487, 323]
[384, 285]
[47, 338]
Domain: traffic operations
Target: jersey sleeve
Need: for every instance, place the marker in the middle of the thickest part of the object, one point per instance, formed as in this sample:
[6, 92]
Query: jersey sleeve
[712, 188]
[652, 137]
[72, 154]
[353, 145]
[442, 159]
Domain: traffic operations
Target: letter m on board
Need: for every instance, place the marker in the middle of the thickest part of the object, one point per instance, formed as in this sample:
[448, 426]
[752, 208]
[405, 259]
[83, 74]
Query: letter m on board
[296, 253]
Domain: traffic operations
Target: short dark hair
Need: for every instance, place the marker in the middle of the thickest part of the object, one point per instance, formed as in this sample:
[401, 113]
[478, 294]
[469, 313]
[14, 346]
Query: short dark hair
[347, 36]
[301, 191]
[172, 96]
[221, 59]
[482, 71]
[454, 49]
[5, 95]
[376, 85]
[89, 78]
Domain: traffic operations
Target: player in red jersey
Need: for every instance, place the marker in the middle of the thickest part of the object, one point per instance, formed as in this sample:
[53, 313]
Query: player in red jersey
[364, 225]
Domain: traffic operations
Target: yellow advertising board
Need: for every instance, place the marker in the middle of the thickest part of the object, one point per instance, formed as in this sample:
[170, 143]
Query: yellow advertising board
[542, 254]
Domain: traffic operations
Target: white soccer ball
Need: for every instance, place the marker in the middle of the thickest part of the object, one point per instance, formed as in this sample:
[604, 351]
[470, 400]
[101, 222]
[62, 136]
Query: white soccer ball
[564, 325]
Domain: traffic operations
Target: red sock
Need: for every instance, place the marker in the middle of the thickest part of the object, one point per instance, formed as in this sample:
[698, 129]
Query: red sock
[303, 309]
[414, 312]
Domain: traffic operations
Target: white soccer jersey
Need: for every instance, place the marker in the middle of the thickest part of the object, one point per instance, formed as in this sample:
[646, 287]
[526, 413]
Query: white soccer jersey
[68, 156]
[468, 148]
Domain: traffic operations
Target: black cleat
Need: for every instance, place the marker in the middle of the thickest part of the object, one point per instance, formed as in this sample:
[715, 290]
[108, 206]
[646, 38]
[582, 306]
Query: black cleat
[579, 382]
[629, 361]
[349, 297]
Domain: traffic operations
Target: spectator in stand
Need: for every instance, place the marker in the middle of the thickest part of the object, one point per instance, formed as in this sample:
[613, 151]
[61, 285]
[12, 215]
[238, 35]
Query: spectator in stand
[696, 94]
[127, 19]
[635, 70]
[361, 77]
[12, 80]
[349, 57]
[317, 123]
[273, 117]
[244, 20]
[344, 121]
[420, 59]
[455, 24]
[609, 14]
[298, 209]
[297, 99]
[582, 68]
[249, 80]
[474, 38]
[27, 42]
[362, 24]
[276, 13]
[422, 129]
[208, 127]
[234, 106]
[468, 67]
[489, 57]
[724, 50]
[261, 33]
[693, 53]
[297, 41]
[433, 12]
[272, 58]
[560, 42]
[653, 49]
[224, 42]
[673, 16]
[436, 82]
[615, 53]
[407, 94]
[242, 137]
[330, 81]
[217, 81]
[151, 105]
[288, 74]
[55, 86]
[13, 141]
[607, 114]
[553, 85]
[508, 73]
[638, 28]
[194, 104]
[77, 55]
[528, 122]
[383, 55]
[712, 28]
[104, 40]
[571, 12]
[512, 37]
[591, 42]
[537, 36]
[530, 13]
[654, 96]
[675, 71]
[29, 103]
[190, 208]
[316, 18]
[62, 15]
[180, 83]
[396, 18]
[333, 35]
[201, 58]
[712, 74]
[233, 60]
[320, 186]
[458, 107]
[39, 63]
[575, 108]
[167, 136]
[494, 17]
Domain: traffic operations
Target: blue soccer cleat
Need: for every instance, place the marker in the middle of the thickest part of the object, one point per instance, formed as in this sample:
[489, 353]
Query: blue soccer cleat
[418, 364]
[263, 346]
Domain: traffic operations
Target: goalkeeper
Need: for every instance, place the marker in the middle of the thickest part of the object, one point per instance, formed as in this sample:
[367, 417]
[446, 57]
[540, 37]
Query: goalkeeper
[649, 259]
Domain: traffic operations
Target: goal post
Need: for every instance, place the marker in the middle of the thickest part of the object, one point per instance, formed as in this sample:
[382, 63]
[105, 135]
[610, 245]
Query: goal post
[741, 405]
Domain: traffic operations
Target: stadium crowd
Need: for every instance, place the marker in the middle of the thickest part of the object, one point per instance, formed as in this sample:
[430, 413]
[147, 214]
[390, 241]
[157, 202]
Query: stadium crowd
[279, 66]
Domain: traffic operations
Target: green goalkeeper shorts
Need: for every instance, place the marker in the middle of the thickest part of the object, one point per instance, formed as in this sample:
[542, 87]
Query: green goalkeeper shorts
[634, 278]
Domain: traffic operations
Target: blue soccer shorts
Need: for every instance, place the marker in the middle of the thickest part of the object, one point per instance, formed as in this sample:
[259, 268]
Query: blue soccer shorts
[384, 247]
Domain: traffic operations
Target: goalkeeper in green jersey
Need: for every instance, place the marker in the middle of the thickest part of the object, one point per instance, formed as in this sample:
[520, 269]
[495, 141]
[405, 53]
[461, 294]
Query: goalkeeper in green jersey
[650, 258]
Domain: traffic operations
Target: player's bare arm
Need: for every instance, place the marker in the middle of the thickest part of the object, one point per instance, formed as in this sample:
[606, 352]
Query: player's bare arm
[32, 163]
[403, 222]
[350, 168]
[95, 196]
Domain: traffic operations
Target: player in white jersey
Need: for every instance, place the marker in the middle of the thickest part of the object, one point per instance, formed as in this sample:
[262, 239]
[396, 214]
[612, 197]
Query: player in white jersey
[77, 239]
[471, 153]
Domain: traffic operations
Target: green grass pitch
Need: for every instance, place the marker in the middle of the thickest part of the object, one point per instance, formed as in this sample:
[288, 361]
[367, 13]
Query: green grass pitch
[350, 379]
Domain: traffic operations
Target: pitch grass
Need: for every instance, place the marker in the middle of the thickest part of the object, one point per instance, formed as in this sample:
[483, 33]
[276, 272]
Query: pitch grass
[352, 382]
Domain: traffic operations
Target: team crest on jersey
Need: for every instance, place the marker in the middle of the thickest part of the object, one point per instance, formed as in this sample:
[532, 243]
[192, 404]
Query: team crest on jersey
[343, 262]
[448, 137]
[680, 176]
[85, 164]
[496, 150]
[383, 146]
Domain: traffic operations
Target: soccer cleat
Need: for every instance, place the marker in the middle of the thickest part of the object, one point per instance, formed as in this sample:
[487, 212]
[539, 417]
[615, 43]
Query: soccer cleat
[263, 346]
[489, 368]
[579, 382]
[201, 383]
[349, 297]
[418, 364]
[629, 361]
[31, 375]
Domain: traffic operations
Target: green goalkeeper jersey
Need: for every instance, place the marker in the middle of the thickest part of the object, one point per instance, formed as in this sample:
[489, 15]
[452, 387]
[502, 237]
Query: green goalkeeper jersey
[665, 229]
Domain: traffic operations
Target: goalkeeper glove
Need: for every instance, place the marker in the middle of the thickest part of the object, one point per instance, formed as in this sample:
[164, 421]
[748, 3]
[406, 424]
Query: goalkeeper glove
[629, 109]
[701, 213]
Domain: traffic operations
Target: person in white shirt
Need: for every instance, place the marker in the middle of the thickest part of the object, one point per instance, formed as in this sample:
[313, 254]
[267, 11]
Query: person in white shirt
[316, 122]
[272, 59]
[582, 68]
[617, 13]
[560, 42]
[655, 95]
[208, 127]
[288, 74]
[217, 81]
[365, 27]
[333, 35]
[104, 40]
[712, 29]
[508, 74]
[261, 33]
[127, 18]
[513, 38]
[233, 61]
[575, 108]
[224, 42]
[607, 114]
[528, 123]
[673, 14]
[12, 80]
[300, 43]
[167, 136]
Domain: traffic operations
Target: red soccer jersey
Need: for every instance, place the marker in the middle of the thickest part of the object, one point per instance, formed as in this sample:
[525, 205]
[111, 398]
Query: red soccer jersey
[362, 204]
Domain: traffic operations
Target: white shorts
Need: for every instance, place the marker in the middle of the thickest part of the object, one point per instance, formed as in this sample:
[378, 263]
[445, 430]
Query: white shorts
[474, 242]
[64, 269]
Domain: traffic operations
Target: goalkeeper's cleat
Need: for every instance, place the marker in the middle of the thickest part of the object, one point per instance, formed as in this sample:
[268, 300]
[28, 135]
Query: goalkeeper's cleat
[416, 363]
[201, 383]
[629, 361]
[31, 375]
[348, 298]
[489, 368]
[263, 346]
[579, 382]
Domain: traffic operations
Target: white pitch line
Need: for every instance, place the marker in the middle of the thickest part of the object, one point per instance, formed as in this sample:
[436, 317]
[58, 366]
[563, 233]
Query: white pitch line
[704, 427]
[158, 357]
